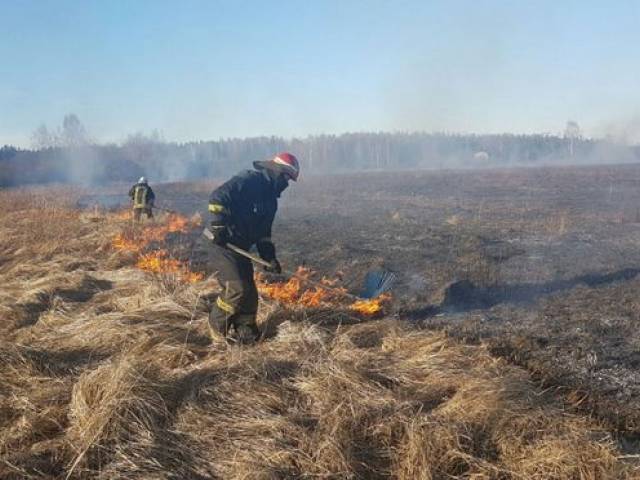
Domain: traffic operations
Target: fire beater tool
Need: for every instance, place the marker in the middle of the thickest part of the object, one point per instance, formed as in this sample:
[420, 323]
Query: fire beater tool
[376, 282]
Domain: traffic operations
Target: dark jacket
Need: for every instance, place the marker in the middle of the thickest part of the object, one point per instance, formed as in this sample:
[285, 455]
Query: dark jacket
[149, 196]
[246, 204]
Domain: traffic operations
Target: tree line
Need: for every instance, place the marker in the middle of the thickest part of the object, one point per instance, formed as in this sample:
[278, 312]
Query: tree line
[69, 156]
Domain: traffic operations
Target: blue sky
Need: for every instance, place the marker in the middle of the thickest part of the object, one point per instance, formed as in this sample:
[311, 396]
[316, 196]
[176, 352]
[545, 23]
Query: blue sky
[204, 70]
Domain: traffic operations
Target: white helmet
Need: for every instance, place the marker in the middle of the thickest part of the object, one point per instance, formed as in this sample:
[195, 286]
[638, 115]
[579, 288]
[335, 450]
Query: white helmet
[142, 180]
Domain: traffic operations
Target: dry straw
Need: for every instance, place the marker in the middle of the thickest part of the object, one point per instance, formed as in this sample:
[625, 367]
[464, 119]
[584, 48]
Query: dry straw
[108, 373]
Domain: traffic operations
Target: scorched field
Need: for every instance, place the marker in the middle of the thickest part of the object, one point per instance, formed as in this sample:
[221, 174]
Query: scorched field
[508, 348]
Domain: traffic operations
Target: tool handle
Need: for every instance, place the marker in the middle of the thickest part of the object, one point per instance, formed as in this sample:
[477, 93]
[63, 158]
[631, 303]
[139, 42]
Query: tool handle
[207, 233]
[254, 258]
[250, 256]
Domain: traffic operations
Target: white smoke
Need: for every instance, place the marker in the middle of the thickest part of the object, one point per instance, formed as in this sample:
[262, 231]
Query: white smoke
[625, 131]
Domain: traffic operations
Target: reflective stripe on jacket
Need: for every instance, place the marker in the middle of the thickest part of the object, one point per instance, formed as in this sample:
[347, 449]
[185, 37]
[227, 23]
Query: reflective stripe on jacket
[142, 195]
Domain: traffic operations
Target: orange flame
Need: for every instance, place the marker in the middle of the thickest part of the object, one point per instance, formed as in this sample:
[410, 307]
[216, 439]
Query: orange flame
[136, 241]
[177, 223]
[127, 244]
[191, 277]
[158, 261]
[373, 306]
[292, 292]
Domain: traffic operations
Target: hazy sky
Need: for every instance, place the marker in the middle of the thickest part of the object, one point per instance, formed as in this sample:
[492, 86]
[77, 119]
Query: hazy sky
[211, 69]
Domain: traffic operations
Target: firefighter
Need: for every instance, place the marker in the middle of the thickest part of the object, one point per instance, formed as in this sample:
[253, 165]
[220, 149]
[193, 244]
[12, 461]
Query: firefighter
[242, 212]
[143, 197]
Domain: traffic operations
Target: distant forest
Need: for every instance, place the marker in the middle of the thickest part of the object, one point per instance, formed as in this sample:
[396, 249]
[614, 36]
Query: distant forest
[70, 157]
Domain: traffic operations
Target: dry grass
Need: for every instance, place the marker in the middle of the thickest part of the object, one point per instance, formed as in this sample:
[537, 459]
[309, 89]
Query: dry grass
[108, 373]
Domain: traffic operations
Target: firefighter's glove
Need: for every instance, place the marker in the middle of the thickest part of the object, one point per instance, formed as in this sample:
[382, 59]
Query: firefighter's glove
[274, 267]
[220, 234]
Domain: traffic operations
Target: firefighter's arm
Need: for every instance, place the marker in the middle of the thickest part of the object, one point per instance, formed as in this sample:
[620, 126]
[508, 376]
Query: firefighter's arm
[267, 251]
[132, 191]
[220, 211]
[266, 248]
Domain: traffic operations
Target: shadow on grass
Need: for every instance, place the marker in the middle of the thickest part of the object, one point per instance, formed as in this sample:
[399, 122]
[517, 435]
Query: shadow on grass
[85, 291]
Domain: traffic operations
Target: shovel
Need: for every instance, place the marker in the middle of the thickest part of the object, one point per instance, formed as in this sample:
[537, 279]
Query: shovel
[376, 283]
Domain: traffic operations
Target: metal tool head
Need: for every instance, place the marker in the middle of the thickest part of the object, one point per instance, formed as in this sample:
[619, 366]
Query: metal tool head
[377, 282]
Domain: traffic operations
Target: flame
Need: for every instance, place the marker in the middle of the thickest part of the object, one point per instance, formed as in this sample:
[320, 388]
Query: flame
[177, 223]
[158, 261]
[126, 243]
[287, 292]
[293, 293]
[174, 224]
[138, 240]
[373, 306]
[191, 277]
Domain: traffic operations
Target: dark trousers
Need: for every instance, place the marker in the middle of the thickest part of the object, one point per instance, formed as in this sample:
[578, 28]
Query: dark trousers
[238, 303]
[137, 213]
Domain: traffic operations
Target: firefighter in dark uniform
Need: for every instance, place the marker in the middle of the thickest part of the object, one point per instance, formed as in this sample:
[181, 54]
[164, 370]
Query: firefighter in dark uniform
[143, 197]
[242, 212]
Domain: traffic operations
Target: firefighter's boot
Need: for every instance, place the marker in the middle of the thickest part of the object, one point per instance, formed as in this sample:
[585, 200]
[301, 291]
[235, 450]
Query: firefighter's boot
[247, 331]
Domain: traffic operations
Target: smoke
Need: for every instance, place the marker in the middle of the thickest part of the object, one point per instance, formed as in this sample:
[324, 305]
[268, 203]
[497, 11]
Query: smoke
[609, 152]
[72, 158]
[83, 166]
[72, 153]
[625, 131]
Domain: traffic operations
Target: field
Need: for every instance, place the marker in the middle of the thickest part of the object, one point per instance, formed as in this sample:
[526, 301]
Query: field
[509, 349]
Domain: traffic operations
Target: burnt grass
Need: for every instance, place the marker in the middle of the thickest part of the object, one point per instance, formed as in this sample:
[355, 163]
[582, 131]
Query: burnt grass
[540, 264]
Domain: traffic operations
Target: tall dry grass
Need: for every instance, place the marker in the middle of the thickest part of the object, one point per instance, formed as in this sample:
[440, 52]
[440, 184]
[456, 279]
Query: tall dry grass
[108, 373]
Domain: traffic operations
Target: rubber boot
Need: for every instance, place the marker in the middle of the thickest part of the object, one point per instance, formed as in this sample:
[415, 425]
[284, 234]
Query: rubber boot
[247, 331]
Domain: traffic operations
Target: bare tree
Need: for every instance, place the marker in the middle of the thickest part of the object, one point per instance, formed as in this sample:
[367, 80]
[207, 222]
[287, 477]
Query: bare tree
[41, 138]
[73, 132]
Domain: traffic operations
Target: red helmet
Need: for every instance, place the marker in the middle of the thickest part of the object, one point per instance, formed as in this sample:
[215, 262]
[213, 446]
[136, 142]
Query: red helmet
[289, 163]
[282, 162]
